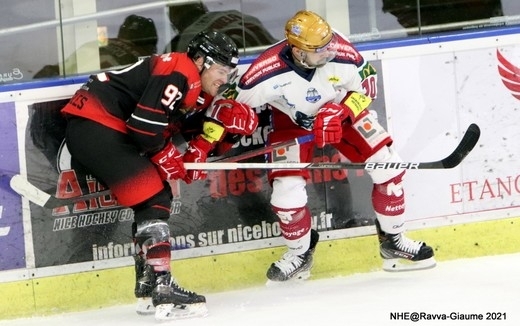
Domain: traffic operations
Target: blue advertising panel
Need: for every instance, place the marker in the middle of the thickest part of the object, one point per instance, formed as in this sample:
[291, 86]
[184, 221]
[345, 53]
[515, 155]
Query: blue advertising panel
[12, 247]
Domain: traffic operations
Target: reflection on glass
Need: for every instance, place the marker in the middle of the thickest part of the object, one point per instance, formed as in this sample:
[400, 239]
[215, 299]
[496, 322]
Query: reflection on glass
[137, 37]
[442, 15]
[189, 19]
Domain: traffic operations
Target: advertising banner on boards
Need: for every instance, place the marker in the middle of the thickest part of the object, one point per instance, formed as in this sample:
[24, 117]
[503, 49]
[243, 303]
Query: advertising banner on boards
[227, 207]
[12, 252]
[437, 99]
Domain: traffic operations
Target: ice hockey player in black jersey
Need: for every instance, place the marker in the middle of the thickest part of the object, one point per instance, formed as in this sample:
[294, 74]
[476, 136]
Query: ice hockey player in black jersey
[119, 128]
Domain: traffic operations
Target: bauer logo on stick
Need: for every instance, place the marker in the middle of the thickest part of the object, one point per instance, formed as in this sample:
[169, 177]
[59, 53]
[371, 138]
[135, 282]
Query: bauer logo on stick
[391, 165]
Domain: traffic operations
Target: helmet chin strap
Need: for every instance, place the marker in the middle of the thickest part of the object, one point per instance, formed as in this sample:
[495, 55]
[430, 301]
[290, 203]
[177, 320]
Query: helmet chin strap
[300, 60]
[208, 61]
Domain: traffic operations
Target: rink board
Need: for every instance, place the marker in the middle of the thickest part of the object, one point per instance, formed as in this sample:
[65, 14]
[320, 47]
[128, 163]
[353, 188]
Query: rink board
[104, 288]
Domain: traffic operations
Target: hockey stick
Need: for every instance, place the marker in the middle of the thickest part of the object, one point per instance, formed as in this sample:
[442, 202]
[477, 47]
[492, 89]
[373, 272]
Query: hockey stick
[266, 149]
[26, 189]
[467, 143]
[23, 187]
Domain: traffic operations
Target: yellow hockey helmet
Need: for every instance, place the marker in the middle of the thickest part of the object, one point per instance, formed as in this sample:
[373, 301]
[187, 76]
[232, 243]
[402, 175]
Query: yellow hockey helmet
[306, 30]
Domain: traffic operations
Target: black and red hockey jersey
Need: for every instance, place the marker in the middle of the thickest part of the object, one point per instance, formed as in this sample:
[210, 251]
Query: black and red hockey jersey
[142, 100]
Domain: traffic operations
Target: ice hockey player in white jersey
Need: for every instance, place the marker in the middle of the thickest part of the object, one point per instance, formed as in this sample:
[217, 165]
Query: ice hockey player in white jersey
[316, 82]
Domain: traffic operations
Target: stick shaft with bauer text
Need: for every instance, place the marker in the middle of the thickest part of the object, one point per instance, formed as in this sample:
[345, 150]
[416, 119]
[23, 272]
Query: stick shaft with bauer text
[23, 187]
[467, 143]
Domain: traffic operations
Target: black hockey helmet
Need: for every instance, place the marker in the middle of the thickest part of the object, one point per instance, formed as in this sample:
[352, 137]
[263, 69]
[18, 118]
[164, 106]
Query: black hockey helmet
[214, 45]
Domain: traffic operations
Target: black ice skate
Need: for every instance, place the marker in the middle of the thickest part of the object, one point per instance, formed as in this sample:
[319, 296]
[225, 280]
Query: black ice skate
[294, 267]
[402, 254]
[173, 302]
[144, 284]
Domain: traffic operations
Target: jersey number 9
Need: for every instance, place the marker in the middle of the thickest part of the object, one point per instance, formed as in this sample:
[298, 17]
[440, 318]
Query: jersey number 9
[170, 96]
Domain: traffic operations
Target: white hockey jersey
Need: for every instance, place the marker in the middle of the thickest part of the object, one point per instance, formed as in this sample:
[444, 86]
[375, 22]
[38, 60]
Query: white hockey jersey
[274, 79]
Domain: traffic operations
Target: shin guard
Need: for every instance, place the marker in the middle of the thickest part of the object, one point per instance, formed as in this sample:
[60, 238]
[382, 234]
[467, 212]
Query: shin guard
[153, 243]
[389, 204]
[295, 225]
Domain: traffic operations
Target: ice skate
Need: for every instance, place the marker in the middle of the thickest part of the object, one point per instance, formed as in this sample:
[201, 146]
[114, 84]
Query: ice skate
[294, 267]
[173, 302]
[400, 253]
[144, 284]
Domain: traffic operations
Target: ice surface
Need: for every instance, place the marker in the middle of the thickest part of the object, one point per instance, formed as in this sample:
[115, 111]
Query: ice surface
[483, 285]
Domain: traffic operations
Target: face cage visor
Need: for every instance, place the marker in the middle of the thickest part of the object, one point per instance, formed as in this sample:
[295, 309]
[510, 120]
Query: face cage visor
[322, 55]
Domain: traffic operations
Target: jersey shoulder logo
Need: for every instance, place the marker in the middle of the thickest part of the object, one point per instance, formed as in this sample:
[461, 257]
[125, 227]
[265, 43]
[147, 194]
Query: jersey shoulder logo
[265, 66]
[347, 53]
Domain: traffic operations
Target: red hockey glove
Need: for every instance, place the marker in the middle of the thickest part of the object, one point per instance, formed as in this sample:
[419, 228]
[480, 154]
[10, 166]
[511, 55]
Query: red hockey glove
[235, 117]
[327, 125]
[197, 152]
[169, 163]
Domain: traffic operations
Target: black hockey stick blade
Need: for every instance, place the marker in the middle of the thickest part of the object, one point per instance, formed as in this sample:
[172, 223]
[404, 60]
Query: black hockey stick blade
[467, 143]
[24, 188]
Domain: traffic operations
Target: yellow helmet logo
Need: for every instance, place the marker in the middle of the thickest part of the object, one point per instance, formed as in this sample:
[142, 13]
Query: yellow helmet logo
[306, 30]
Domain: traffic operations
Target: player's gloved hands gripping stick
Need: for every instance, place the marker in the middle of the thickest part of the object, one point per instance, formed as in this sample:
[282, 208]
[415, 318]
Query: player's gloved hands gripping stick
[328, 123]
[226, 116]
[169, 163]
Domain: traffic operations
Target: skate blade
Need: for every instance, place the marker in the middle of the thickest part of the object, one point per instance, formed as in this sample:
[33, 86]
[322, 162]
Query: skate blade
[144, 306]
[297, 278]
[166, 312]
[404, 265]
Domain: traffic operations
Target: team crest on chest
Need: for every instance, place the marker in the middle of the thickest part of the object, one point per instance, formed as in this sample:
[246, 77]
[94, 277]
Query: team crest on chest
[312, 95]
